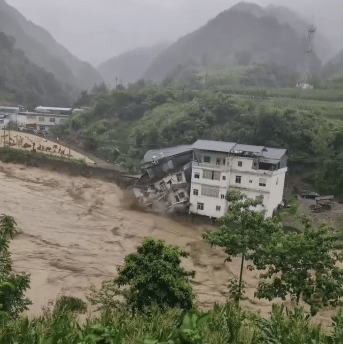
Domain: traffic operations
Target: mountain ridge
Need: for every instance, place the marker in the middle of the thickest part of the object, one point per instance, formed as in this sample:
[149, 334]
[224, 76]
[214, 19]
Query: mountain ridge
[232, 32]
[42, 49]
[130, 66]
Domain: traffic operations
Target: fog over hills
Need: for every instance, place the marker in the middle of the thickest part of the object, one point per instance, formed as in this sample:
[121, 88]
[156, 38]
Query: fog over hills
[23, 82]
[97, 30]
[245, 29]
[130, 66]
[42, 49]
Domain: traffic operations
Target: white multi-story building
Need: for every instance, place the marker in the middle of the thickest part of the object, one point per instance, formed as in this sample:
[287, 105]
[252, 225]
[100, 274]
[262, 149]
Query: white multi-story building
[256, 171]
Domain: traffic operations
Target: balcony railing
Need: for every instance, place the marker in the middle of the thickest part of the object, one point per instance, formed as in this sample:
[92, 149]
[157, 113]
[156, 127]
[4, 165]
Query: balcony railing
[222, 168]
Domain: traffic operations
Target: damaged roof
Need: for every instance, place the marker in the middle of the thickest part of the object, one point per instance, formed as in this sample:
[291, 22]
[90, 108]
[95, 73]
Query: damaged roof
[167, 152]
[247, 148]
[266, 154]
[272, 155]
[215, 146]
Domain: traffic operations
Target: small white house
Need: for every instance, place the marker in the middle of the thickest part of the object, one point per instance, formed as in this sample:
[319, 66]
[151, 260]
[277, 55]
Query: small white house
[44, 121]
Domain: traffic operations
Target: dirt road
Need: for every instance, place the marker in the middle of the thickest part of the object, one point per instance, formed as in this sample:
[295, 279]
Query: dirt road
[76, 231]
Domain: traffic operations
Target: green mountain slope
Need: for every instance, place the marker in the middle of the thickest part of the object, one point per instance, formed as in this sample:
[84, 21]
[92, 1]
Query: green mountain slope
[23, 82]
[42, 49]
[334, 68]
[130, 66]
[284, 15]
[232, 34]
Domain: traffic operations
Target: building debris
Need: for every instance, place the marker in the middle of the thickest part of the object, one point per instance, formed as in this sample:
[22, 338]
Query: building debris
[195, 178]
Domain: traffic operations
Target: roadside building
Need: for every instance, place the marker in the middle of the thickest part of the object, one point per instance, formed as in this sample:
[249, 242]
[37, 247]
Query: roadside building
[211, 168]
[8, 114]
[54, 110]
[40, 121]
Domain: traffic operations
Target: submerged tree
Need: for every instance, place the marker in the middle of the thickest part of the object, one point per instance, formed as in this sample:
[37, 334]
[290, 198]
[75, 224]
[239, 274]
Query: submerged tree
[12, 286]
[303, 266]
[242, 231]
[153, 276]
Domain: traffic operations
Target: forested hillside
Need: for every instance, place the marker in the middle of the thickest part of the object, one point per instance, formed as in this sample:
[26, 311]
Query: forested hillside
[244, 35]
[334, 70]
[124, 124]
[23, 82]
[129, 66]
[42, 49]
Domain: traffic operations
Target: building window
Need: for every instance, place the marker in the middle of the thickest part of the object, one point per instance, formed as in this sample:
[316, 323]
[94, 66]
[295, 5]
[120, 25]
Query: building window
[263, 182]
[213, 175]
[179, 177]
[238, 179]
[218, 208]
[41, 119]
[240, 163]
[200, 206]
[31, 117]
[208, 191]
[207, 159]
[197, 175]
[182, 195]
[52, 120]
[250, 181]
[220, 161]
[222, 196]
[177, 198]
[195, 192]
[224, 177]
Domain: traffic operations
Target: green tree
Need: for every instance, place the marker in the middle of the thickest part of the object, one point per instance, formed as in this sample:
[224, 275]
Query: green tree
[242, 231]
[154, 277]
[69, 304]
[13, 286]
[303, 266]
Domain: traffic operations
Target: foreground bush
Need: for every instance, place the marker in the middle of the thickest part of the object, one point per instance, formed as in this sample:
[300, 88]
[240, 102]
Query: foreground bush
[224, 324]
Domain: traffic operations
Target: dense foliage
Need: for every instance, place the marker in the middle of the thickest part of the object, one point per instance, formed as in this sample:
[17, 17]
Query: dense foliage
[243, 231]
[303, 266]
[12, 286]
[153, 276]
[224, 324]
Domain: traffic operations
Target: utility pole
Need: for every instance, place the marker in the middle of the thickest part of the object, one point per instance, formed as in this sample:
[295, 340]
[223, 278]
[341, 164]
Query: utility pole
[309, 53]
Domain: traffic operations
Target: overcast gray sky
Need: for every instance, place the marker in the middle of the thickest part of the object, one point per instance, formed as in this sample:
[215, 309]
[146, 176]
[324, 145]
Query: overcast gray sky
[95, 30]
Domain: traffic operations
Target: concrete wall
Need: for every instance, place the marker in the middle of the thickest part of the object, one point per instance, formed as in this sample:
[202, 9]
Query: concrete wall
[67, 167]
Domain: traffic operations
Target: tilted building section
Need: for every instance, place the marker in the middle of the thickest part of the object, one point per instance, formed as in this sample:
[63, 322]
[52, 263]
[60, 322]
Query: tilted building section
[196, 178]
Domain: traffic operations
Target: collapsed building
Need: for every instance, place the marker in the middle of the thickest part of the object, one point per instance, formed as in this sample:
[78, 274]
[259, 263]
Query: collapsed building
[195, 178]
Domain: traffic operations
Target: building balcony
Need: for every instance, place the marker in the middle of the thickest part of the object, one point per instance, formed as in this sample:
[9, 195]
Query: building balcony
[259, 172]
[221, 168]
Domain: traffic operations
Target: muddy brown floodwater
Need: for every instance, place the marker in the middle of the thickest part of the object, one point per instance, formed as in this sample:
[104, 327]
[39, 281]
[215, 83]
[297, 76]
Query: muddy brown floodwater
[75, 232]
